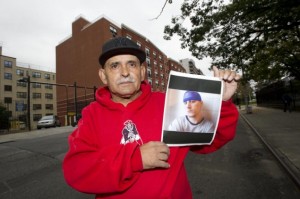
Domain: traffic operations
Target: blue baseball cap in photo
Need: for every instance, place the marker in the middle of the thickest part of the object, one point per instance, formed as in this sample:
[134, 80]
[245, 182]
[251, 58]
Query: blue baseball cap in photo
[191, 95]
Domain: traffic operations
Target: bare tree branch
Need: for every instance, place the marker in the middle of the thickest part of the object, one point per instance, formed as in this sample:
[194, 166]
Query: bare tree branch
[170, 1]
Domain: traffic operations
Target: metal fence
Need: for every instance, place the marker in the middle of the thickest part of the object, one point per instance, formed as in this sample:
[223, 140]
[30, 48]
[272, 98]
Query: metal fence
[77, 97]
[272, 95]
[68, 109]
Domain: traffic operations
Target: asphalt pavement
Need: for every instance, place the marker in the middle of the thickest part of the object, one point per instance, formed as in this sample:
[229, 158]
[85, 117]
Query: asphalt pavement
[280, 131]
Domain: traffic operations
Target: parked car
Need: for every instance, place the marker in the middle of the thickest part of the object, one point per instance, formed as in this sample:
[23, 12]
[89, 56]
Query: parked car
[48, 121]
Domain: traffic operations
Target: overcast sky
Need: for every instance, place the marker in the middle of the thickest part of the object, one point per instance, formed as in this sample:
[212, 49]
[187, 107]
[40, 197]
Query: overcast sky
[31, 29]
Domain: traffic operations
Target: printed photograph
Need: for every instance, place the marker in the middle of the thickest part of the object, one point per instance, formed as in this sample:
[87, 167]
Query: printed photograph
[192, 109]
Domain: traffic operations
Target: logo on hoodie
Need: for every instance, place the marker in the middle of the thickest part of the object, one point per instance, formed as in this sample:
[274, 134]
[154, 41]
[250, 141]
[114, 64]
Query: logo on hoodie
[130, 133]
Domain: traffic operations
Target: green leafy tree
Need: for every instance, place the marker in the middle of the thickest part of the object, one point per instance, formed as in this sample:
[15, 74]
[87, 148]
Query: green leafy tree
[259, 37]
[4, 118]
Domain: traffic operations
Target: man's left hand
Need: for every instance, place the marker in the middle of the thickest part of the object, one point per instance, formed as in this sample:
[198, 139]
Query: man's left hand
[230, 79]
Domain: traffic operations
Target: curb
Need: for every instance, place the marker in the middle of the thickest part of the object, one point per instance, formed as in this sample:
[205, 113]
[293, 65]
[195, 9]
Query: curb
[35, 133]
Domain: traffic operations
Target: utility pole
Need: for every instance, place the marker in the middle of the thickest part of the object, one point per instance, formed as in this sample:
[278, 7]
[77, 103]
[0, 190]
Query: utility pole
[28, 103]
[75, 92]
[27, 80]
[67, 97]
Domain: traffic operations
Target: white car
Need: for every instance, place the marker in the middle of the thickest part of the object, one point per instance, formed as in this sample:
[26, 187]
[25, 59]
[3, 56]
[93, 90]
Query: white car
[48, 121]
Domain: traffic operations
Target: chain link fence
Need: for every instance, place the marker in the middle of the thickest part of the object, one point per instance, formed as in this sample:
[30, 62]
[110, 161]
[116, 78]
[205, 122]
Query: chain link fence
[272, 95]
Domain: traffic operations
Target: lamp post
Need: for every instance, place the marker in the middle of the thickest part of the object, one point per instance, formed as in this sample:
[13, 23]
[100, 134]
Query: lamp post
[28, 100]
[67, 97]
[75, 101]
[28, 103]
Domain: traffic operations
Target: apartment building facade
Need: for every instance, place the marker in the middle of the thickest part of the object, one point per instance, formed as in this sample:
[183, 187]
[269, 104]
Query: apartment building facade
[190, 66]
[14, 93]
[77, 62]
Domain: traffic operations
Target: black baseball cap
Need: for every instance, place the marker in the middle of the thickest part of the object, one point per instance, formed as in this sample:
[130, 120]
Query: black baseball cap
[118, 46]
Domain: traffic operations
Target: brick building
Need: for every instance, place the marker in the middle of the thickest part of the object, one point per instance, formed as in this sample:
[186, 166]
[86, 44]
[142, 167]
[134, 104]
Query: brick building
[77, 61]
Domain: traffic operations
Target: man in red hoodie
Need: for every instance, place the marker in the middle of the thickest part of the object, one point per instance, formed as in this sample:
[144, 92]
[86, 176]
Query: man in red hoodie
[116, 151]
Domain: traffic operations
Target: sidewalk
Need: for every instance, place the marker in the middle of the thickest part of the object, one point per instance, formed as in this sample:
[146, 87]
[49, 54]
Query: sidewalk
[280, 129]
[35, 133]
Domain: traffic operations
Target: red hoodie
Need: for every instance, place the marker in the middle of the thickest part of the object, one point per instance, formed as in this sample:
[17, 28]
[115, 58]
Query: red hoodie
[100, 161]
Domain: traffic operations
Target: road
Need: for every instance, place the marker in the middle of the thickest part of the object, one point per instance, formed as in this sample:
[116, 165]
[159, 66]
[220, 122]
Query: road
[31, 168]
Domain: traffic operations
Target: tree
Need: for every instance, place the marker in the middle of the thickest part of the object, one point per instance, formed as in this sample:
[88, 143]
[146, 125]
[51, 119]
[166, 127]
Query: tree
[4, 118]
[260, 38]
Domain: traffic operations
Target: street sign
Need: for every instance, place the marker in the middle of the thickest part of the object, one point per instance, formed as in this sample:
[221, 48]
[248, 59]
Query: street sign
[19, 106]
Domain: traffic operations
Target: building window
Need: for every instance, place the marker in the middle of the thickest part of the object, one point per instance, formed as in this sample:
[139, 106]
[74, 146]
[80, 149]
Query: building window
[47, 76]
[48, 95]
[21, 95]
[128, 37]
[148, 62]
[36, 75]
[7, 64]
[49, 106]
[149, 73]
[7, 88]
[22, 84]
[113, 31]
[48, 86]
[36, 85]
[154, 54]
[36, 95]
[7, 100]
[37, 107]
[139, 44]
[20, 72]
[37, 117]
[7, 76]
[147, 52]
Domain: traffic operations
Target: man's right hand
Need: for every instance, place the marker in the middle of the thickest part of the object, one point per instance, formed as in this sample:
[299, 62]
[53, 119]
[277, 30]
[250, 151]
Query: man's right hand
[155, 154]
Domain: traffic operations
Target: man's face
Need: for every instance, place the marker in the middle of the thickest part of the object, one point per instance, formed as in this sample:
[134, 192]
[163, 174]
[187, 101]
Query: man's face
[123, 75]
[193, 108]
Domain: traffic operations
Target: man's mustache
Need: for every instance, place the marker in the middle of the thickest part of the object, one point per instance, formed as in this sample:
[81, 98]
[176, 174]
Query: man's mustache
[126, 80]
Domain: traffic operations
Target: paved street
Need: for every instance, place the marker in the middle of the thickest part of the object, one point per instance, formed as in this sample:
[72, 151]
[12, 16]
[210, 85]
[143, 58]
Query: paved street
[30, 163]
